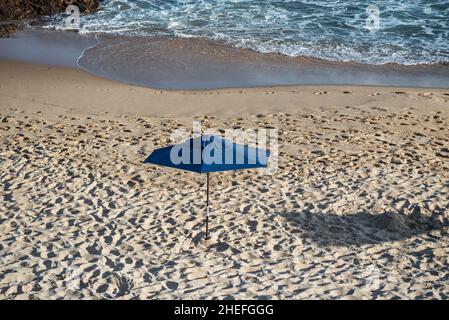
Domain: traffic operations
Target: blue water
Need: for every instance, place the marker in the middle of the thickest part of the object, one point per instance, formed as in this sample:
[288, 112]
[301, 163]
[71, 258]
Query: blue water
[408, 32]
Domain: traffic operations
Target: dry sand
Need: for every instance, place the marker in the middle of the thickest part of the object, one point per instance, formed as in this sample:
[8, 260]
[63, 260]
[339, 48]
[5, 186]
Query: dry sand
[359, 207]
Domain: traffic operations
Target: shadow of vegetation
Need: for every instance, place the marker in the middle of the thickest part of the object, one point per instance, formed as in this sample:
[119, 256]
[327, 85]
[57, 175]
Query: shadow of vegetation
[363, 228]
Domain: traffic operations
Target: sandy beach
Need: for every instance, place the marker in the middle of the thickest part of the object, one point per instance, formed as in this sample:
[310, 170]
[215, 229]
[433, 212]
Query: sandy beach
[358, 208]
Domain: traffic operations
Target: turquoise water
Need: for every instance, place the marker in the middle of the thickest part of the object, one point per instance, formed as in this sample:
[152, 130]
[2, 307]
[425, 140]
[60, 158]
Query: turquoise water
[405, 32]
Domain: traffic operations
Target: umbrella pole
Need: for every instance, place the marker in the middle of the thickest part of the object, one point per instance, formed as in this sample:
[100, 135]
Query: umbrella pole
[207, 208]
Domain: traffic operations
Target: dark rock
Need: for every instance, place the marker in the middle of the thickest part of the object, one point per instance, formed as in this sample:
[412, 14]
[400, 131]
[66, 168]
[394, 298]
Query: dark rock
[24, 9]
[15, 10]
[7, 29]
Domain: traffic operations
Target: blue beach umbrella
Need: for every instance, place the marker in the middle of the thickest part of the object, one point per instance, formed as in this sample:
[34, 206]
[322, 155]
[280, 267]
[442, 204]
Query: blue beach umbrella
[209, 153]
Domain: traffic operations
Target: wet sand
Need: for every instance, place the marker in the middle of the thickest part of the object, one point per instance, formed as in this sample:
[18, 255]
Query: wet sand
[193, 63]
[52, 48]
[358, 209]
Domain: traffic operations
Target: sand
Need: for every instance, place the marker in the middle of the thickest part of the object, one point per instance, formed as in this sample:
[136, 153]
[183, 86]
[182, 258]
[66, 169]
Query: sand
[358, 209]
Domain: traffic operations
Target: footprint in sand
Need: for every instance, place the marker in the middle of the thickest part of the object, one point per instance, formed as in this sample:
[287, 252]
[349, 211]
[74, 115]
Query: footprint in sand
[171, 285]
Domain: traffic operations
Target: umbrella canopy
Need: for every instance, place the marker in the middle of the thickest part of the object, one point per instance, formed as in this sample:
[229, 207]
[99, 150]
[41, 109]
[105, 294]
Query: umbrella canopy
[209, 153]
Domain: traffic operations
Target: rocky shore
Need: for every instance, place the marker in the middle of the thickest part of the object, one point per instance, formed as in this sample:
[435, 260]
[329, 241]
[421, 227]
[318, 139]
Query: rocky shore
[13, 11]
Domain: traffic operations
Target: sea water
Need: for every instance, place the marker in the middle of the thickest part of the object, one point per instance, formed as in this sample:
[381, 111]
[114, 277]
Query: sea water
[375, 32]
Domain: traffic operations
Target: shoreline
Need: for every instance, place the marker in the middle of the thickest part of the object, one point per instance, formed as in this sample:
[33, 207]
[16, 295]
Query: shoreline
[55, 85]
[189, 64]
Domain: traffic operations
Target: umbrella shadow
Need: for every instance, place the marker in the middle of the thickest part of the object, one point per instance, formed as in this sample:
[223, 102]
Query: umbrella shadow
[359, 228]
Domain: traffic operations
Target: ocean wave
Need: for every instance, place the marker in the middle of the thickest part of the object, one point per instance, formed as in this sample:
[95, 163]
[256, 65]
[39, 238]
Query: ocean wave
[407, 33]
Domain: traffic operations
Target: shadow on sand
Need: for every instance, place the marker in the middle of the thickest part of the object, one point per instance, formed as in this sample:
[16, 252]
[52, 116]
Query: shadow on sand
[363, 228]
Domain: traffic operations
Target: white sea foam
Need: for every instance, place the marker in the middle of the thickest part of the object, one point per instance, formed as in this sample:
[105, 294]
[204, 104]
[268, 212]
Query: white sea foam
[409, 32]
